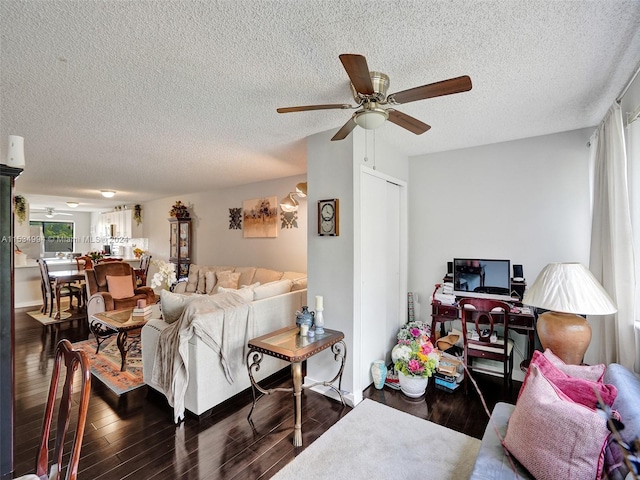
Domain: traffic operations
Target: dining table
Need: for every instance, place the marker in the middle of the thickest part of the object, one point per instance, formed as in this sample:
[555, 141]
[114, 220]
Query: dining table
[60, 279]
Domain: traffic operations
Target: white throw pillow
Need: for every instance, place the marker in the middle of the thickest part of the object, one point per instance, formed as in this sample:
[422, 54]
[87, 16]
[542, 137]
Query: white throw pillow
[272, 289]
[245, 293]
[173, 304]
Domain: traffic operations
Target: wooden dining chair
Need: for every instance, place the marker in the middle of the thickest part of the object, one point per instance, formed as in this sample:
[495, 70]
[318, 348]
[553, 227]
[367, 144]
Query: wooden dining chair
[73, 360]
[84, 262]
[49, 291]
[142, 271]
[485, 330]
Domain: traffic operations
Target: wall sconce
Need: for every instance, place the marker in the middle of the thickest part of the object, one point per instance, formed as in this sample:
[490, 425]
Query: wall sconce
[290, 204]
[107, 193]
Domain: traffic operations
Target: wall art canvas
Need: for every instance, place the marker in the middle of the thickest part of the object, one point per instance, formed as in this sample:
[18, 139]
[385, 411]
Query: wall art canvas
[260, 217]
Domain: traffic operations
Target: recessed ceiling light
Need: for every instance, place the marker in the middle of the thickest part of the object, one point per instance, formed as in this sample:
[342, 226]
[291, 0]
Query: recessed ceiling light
[72, 204]
[107, 193]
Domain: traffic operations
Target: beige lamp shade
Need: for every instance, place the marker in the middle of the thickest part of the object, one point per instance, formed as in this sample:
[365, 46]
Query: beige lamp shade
[567, 290]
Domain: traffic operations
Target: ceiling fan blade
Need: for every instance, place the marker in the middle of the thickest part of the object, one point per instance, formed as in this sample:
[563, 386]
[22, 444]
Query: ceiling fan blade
[358, 71]
[406, 121]
[313, 107]
[346, 129]
[438, 89]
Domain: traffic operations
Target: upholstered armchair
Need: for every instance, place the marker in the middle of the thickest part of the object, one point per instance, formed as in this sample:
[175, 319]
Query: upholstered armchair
[112, 286]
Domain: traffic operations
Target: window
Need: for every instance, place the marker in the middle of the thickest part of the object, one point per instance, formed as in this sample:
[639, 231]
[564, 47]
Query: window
[58, 236]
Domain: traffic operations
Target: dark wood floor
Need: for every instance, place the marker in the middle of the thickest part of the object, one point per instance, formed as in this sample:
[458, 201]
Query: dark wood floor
[133, 436]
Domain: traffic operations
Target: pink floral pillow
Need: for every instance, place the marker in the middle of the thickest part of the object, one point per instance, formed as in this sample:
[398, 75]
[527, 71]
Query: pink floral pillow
[553, 436]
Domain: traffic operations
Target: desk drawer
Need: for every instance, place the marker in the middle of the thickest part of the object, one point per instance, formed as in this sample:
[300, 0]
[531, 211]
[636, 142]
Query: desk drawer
[450, 311]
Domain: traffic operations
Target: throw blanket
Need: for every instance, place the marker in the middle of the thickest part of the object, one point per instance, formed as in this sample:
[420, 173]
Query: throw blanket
[223, 321]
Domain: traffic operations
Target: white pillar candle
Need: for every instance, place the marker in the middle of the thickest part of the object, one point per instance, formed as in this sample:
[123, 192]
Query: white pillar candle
[319, 302]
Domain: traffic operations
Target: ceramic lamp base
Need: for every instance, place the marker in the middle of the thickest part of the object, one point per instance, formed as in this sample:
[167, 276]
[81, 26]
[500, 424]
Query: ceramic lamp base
[567, 335]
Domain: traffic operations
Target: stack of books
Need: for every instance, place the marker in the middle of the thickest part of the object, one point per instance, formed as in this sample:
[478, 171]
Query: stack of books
[448, 375]
[144, 312]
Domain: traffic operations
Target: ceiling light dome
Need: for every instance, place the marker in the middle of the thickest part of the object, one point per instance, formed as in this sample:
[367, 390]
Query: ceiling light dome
[72, 204]
[371, 119]
[107, 193]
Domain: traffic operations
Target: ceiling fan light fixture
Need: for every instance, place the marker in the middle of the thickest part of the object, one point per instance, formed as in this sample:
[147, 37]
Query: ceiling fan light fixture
[72, 204]
[107, 193]
[371, 119]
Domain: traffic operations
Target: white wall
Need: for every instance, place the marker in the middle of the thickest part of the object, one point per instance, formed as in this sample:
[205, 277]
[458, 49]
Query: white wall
[525, 200]
[334, 170]
[215, 244]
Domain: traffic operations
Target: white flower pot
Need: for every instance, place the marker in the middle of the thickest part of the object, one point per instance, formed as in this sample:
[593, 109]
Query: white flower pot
[412, 386]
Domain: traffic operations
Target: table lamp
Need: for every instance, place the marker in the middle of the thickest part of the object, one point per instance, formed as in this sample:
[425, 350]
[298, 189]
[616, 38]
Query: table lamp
[567, 290]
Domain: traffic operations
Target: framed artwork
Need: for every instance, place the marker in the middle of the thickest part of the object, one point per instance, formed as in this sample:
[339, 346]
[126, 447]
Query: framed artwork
[260, 217]
[329, 217]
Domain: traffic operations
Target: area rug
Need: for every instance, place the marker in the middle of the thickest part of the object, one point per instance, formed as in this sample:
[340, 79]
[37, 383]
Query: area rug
[376, 441]
[105, 365]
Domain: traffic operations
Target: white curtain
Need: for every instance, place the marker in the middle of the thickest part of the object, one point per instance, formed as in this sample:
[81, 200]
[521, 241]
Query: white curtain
[633, 159]
[612, 259]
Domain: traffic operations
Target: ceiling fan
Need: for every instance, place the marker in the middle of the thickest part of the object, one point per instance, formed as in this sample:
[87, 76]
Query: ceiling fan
[369, 90]
[50, 212]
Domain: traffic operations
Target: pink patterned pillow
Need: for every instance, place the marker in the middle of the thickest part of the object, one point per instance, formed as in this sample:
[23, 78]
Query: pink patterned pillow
[579, 390]
[552, 436]
[595, 373]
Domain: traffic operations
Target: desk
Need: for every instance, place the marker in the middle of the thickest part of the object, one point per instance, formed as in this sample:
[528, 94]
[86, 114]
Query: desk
[520, 322]
[116, 321]
[59, 279]
[288, 345]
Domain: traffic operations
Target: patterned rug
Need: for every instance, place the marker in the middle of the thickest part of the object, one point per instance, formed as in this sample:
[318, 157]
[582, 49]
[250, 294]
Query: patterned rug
[105, 366]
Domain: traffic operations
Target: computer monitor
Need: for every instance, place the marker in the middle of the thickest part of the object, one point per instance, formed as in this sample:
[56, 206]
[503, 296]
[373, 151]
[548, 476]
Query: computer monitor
[482, 278]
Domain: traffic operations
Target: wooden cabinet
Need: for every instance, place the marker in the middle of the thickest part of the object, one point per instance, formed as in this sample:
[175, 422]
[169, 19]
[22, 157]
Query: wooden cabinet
[180, 245]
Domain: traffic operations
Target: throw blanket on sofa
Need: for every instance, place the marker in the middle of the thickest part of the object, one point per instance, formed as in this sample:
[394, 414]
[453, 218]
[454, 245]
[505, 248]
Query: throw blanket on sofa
[223, 321]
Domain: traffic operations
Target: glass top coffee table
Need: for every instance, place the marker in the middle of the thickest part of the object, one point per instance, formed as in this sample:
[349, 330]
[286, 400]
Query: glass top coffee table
[121, 322]
[287, 344]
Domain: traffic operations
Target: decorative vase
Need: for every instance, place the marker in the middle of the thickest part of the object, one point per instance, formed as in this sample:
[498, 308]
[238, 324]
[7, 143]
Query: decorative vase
[411, 385]
[305, 317]
[379, 373]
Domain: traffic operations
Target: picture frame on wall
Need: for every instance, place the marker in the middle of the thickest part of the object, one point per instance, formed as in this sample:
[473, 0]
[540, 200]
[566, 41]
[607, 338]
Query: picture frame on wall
[329, 217]
[260, 217]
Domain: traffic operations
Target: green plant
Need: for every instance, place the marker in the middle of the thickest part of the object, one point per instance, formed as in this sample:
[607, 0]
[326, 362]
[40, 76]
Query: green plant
[20, 207]
[137, 214]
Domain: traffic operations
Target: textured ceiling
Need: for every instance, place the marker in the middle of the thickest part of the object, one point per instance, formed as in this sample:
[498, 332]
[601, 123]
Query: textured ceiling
[161, 98]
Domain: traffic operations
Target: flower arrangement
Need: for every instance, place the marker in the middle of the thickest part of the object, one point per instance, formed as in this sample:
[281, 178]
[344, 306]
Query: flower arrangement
[179, 210]
[97, 255]
[165, 276]
[415, 354]
[137, 252]
[20, 206]
[411, 331]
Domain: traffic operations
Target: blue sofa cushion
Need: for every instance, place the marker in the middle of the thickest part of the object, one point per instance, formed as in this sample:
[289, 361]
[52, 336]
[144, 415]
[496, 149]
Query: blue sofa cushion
[627, 404]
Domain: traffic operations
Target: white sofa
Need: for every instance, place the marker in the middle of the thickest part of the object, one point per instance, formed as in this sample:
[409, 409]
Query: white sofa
[207, 385]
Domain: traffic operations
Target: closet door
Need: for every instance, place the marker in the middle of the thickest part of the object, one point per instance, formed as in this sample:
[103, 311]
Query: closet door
[380, 259]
